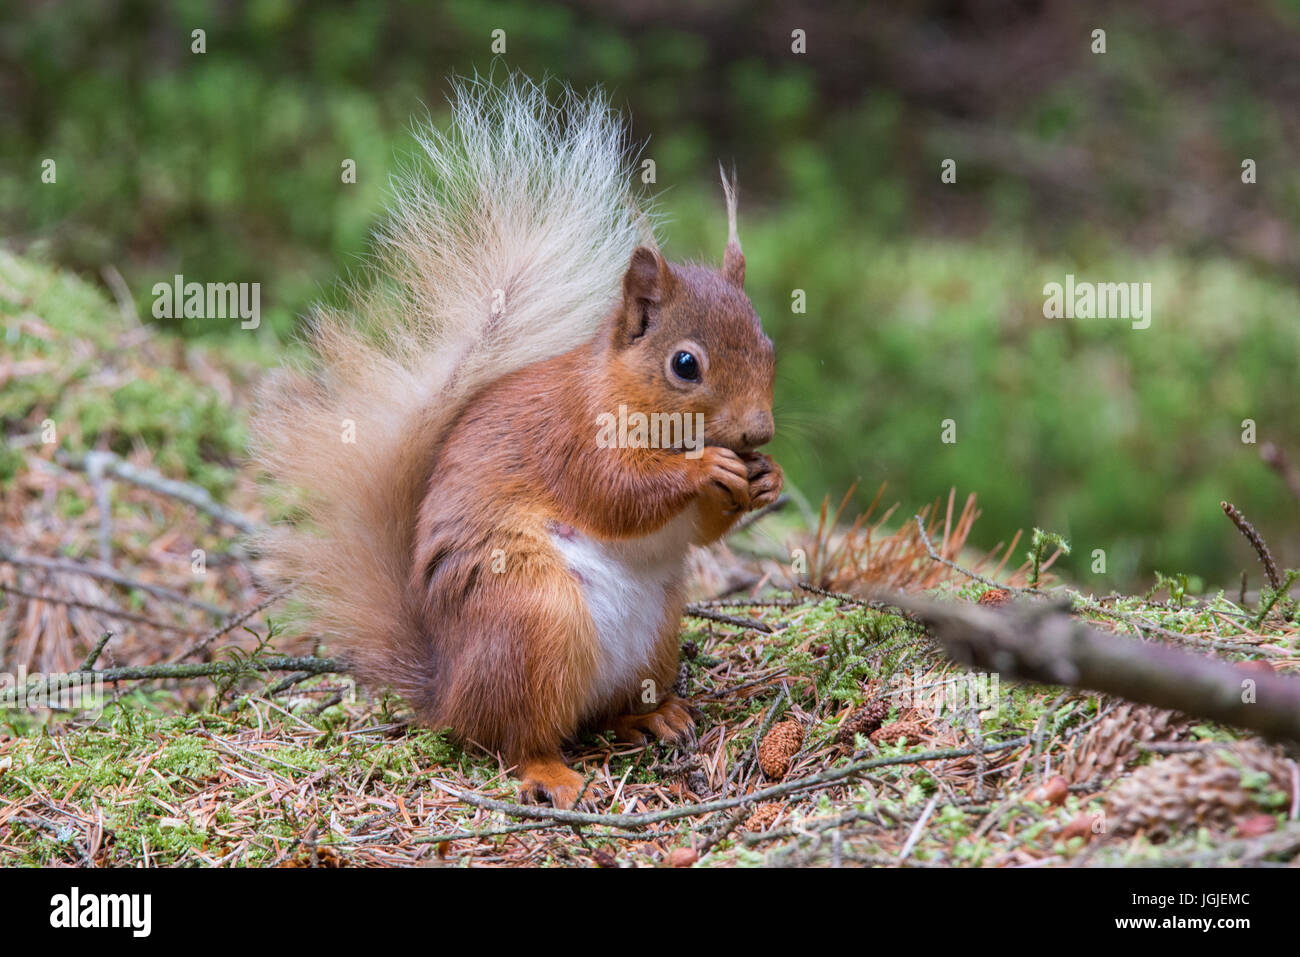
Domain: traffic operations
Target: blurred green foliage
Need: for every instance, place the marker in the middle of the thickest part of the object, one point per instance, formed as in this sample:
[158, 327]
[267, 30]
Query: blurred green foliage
[924, 300]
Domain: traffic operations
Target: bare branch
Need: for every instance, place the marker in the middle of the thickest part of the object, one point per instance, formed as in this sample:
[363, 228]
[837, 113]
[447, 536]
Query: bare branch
[211, 669]
[1044, 643]
[107, 463]
[644, 819]
[696, 611]
[106, 574]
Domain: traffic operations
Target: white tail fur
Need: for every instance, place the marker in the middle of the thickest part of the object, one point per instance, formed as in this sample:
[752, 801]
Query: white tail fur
[506, 243]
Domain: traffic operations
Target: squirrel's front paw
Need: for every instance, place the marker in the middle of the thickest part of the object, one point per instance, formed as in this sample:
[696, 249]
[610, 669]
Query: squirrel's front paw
[765, 479]
[726, 479]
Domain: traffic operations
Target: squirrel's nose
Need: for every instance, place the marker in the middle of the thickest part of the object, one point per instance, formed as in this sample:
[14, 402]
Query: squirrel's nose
[758, 430]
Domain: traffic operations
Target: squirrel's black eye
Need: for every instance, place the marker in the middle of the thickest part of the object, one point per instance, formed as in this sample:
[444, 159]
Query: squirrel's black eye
[686, 366]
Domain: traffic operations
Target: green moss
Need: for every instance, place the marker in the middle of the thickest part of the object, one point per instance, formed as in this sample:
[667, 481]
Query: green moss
[92, 394]
[187, 756]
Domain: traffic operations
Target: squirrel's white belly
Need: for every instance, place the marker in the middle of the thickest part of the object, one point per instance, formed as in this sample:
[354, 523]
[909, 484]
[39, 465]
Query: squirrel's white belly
[626, 585]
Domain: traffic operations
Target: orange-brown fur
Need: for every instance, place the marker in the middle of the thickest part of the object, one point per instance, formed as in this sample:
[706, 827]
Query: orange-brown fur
[514, 648]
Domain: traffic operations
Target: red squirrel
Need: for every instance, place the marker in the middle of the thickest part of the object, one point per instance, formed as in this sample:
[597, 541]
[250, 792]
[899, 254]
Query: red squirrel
[468, 534]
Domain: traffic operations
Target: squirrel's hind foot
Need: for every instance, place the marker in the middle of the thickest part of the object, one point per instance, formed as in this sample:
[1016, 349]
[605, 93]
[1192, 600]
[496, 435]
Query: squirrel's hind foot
[671, 722]
[549, 779]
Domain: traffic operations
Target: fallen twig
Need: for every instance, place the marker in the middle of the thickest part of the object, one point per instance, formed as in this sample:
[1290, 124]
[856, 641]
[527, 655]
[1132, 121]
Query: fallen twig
[917, 828]
[1266, 604]
[929, 547]
[108, 575]
[106, 463]
[1046, 644]
[645, 819]
[92, 606]
[88, 662]
[209, 669]
[751, 517]
[872, 603]
[722, 831]
[697, 611]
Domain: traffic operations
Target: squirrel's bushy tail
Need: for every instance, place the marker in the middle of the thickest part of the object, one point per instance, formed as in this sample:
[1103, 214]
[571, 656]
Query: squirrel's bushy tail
[506, 242]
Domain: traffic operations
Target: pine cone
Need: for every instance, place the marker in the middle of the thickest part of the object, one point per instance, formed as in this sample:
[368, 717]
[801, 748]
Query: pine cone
[911, 730]
[1112, 744]
[1195, 789]
[782, 743]
[764, 816]
[863, 721]
[995, 596]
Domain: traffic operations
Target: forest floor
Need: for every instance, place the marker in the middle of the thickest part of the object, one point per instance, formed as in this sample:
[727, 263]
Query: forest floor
[833, 729]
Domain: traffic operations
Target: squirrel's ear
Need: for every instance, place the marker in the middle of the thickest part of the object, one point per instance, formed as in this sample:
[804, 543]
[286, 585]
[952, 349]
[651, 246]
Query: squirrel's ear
[733, 260]
[645, 284]
[646, 277]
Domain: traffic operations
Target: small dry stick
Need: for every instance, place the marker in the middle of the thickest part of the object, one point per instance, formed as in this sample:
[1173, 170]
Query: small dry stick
[929, 547]
[1266, 606]
[209, 669]
[95, 463]
[748, 520]
[822, 779]
[106, 463]
[872, 603]
[917, 828]
[723, 830]
[108, 575]
[1256, 540]
[230, 625]
[696, 611]
[92, 606]
[89, 661]
[122, 293]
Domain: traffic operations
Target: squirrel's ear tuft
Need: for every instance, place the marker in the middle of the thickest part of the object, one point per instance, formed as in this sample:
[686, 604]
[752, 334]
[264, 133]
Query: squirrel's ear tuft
[733, 260]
